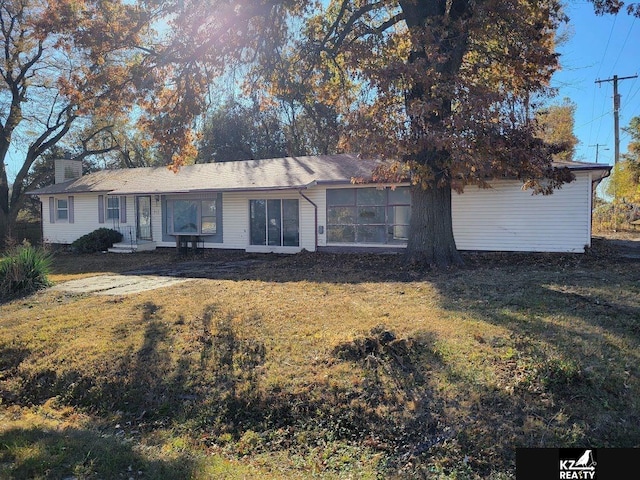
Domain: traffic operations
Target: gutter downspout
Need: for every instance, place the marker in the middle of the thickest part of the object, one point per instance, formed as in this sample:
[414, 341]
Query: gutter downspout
[315, 207]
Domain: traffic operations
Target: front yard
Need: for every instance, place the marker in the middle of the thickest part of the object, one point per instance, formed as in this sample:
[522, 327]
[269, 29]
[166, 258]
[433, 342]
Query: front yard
[321, 366]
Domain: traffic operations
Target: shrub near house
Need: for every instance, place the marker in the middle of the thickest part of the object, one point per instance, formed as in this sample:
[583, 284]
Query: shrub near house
[99, 240]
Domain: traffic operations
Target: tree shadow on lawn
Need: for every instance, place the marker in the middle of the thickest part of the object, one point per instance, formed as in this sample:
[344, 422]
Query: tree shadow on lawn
[572, 349]
[556, 385]
[392, 407]
[27, 453]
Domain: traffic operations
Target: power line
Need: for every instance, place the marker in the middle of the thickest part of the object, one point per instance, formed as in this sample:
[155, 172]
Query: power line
[616, 111]
[621, 49]
[598, 145]
[604, 55]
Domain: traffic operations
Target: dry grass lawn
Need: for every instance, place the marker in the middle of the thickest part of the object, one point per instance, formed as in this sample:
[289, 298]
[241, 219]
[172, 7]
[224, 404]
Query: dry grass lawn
[318, 365]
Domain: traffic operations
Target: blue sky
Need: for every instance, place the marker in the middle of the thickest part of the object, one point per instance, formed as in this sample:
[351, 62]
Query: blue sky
[599, 47]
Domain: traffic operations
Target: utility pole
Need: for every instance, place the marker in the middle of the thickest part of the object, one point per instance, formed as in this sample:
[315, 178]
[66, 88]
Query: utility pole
[616, 111]
[598, 145]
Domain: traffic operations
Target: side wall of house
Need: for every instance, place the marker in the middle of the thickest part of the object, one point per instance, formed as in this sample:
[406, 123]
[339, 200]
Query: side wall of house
[83, 218]
[507, 218]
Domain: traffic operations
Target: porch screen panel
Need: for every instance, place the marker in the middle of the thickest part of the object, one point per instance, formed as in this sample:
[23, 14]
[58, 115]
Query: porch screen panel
[341, 215]
[399, 214]
[368, 215]
[371, 215]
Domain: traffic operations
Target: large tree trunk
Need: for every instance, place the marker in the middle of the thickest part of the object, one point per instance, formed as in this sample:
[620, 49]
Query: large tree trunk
[431, 239]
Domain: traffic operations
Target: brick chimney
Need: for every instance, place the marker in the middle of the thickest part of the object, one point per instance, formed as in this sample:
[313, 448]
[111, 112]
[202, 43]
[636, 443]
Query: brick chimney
[67, 169]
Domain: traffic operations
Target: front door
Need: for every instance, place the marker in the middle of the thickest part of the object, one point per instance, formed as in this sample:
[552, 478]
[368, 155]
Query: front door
[143, 209]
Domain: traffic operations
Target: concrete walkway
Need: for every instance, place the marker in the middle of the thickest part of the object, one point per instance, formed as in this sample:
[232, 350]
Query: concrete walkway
[157, 276]
[117, 284]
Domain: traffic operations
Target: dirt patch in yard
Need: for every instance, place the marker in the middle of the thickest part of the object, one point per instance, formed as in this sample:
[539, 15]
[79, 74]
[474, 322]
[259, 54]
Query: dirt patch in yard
[118, 274]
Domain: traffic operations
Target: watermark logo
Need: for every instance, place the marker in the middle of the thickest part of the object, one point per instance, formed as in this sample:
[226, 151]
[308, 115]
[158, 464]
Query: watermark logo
[576, 464]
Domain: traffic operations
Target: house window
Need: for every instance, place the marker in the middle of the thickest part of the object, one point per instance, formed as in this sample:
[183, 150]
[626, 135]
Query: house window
[198, 217]
[274, 222]
[113, 208]
[208, 217]
[368, 215]
[62, 209]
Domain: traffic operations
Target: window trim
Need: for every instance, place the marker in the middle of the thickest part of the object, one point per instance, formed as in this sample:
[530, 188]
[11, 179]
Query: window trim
[283, 223]
[110, 209]
[199, 214]
[59, 209]
[389, 224]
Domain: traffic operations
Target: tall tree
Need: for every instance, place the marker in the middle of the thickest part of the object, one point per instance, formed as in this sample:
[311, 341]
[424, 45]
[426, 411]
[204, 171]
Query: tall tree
[633, 148]
[624, 184]
[64, 62]
[267, 128]
[555, 127]
[444, 86]
[233, 131]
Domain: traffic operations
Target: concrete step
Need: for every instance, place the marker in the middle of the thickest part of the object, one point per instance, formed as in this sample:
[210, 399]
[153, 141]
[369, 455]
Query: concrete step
[124, 247]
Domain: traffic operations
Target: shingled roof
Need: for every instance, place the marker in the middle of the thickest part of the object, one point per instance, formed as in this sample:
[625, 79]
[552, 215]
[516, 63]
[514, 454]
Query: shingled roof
[270, 174]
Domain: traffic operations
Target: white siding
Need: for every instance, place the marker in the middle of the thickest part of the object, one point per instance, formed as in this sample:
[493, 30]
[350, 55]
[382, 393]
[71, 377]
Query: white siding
[85, 213]
[318, 195]
[235, 219]
[156, 219]
[503, 218]
[507, 218]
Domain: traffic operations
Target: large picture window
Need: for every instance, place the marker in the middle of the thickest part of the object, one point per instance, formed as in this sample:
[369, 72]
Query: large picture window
[368, 215]
[274, 222]
[188, 216]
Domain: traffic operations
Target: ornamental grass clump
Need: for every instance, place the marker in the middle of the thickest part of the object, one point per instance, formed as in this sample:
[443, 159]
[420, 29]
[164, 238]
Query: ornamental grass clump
[24, 270]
